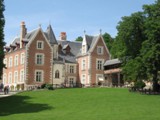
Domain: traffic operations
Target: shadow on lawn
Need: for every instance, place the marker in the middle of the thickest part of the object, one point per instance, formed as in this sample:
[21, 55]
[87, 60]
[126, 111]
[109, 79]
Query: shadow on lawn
[19, 104]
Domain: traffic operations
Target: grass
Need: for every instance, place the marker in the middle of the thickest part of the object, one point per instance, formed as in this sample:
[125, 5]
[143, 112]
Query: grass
[80, 104]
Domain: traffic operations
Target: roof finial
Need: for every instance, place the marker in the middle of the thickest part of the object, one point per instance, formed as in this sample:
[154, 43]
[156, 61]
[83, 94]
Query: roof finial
[84, 31]
[40, 25]
[100, 31]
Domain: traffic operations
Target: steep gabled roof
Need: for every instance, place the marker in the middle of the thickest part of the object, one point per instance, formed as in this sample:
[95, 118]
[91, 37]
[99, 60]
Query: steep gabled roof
[50, 35]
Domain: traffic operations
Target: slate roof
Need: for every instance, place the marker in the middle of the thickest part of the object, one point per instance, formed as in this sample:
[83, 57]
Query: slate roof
[75, 46]
[75, 49]
[50, 35]
[28, 37]
[112, 62]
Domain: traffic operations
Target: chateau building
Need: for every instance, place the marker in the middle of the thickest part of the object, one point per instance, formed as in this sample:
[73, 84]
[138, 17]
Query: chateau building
[37, 57]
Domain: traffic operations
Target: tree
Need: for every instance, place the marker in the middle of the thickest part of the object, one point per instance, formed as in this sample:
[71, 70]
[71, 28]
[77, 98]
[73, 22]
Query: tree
[79, 38]
[108, 40]
[128, 43]
[2, 43]
[151, 47]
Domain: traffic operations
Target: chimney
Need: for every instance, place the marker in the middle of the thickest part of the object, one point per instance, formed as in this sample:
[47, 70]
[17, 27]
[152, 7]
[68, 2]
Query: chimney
[63, 36]
[23, 32]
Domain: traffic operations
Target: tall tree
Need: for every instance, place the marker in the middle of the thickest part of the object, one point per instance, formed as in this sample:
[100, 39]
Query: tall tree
[151, 47]
[2, 43]
[128, 44]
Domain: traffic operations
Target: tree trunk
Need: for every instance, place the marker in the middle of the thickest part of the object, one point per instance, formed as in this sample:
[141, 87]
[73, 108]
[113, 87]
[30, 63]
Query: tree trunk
[155, 81]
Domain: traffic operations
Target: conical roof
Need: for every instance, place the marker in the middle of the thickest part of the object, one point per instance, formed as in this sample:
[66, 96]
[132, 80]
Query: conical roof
[50, 35]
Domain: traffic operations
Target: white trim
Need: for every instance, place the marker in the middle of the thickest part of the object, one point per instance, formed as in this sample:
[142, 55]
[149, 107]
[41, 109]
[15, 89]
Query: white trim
[15, 77]
[42, 44]
[102, 60]
[100, 36]
[42, 75]
[83, 78]
[10, 61]
[22, 58]
[42, 59]
[101, 49]
[16, 60]
[22, 75]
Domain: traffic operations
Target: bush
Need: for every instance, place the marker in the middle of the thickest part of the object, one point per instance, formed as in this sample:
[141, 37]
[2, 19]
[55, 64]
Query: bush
[43, 85]
[47, 86]
[139, 84]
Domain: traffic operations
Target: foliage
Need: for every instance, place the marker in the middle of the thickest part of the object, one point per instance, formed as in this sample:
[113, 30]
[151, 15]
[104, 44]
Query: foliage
[108, 40]
[47, 86]
[79, 38]
[137, 44]
[2, 43]
[139, 84]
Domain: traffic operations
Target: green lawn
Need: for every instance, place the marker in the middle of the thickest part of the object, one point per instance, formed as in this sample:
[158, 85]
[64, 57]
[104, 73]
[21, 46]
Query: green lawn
[80, 104]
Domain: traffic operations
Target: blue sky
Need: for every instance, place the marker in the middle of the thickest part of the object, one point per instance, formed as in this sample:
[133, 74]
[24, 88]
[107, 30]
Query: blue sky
[70, 16]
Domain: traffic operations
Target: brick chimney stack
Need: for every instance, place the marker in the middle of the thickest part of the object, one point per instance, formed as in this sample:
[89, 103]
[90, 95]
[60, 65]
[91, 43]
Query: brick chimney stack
[63, 36]
[23, 32]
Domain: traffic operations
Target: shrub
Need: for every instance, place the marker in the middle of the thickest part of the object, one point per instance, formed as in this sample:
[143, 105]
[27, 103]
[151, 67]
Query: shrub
[139, 84]
[43, 85]
[49, 87]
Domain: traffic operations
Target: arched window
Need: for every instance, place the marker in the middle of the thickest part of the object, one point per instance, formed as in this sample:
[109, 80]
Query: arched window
[57, 74]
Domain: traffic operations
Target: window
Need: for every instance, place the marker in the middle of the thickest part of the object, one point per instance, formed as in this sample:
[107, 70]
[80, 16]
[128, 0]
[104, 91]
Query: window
[71, 69]
[22, 58]
[39, 44]
[16, 60]
[71, 81]
[10, 77]
[83, 64]
[83, 79]
[57, 74]
[38, 75]
[99, 64]
[5, 78]
[22, 76]
[39, 59]
[5, 62]
[100, 50]
[15, 77]
[10, 61]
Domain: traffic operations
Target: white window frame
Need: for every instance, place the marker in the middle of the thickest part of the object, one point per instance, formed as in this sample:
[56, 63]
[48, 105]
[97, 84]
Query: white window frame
[5, 78]
[83, 78]
[83, 64]
[100, 50]
[5, 62]
[10, 78]
[15, 76]
[22, 75]
[42, 45]
[16, 58]
[41, 77]
[22, 58]
[71, 69]
[42, 59]
[10, 61]
[99, 66]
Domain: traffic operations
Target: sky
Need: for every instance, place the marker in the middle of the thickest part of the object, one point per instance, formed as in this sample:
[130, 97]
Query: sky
[70, 16]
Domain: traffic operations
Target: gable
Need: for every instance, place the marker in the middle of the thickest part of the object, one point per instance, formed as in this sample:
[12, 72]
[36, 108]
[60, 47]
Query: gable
[100, 43]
